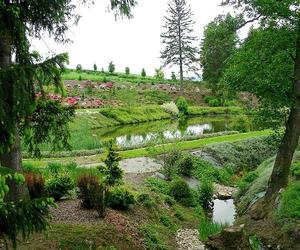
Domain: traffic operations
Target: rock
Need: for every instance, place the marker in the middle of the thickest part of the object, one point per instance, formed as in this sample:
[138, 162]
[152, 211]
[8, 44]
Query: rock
[188, 239]
[224, 192]
[159, 176]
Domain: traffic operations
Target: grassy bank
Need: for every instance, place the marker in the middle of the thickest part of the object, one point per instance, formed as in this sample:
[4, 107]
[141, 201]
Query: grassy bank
[197, 111]
[184, 145]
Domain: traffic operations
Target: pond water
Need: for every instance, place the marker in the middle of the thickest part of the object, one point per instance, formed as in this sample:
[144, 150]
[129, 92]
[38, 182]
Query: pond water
[137, 134]
[224, 211]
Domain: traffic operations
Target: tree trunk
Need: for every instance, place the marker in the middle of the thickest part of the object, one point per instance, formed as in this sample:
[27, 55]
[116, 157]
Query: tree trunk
[281, 170]
[180, 58]
[11, 159]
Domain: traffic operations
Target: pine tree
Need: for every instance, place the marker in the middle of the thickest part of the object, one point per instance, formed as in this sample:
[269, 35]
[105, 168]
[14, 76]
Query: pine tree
[177, 39]
[143, 74]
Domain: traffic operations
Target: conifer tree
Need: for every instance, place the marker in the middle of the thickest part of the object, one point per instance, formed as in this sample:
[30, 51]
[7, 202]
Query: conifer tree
[177, 38]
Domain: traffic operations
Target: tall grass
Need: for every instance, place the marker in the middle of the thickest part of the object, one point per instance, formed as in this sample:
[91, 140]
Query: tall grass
[208, 228]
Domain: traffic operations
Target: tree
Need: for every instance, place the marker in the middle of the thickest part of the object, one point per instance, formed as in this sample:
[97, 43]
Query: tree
[159, 74]
[95, 67]
[219, 43]
[173, 76]
[79, 67]
[20, 109]
[277, 74]
[177, 39]
[127, 70]
[111, 67]
[143, 74]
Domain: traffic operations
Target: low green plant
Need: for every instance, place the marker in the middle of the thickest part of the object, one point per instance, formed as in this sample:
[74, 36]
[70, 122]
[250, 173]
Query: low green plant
[120, 198]
[208, 228]
[165, 220]
[170, 160]
[185, 165]
[181, 192]
[205, 194]
[146, 200]
[179, 215]
[182, 105]
[152, 238]
[290, 202]
[171, 109]
[158, 185]
[245, 182]
[295, 170]
[170, 200]
[59, 186]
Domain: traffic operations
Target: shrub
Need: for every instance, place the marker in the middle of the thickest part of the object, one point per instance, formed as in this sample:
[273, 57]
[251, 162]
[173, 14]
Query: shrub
[79, 67]
[173, 76]
[206, 193]
[127, 71]
[36, 185]
[290, 203]
[246, 181]
[59, 186]
[171, 108]
[295, 170]
[170, 162]
[185, 165]
[159, 74]
[120, 198]
[208, 228]
[179, 215]
[89, 187]
[170, 200]
[54, 168]
[146, 200]
[180, 190]
[214, 103]
[158, 185]
[143, 74]
[182, 105]
[165, 220]
[95, 67]
[152, 238]
[111, 67]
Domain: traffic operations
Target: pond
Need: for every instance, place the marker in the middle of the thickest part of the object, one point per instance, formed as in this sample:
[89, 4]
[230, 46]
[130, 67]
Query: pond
[224, 211]
[137, 134]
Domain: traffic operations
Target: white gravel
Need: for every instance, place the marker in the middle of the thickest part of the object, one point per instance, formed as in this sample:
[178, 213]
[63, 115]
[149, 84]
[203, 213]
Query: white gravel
[188, 239]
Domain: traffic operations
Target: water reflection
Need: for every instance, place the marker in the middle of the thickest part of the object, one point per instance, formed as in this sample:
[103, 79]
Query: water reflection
[224, 211]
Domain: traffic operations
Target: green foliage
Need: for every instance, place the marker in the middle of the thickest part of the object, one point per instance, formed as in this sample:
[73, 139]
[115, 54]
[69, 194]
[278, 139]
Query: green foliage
[143, 73]
[173, 76]
[180, 190]
[165, 220]
[59, 186]
[219, 43]
[23, 216]
[36, 185]
[48, 123]
[182, 105]
[205, 194]
[79, 67]
[89, 187]
[111, 68]
[112, 170]
[127, 70]
[152, 238]
[159, 74]
[295, 170]
[208, 228]
[170, 200]
[185, 165]
[170, 163]
[158, 185]
[146, 200]
[95, 67]
[246, 182]
[290, 202]
[120, 198]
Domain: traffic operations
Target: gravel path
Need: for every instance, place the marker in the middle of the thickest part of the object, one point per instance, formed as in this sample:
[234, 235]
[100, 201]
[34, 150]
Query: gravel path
[188, 239]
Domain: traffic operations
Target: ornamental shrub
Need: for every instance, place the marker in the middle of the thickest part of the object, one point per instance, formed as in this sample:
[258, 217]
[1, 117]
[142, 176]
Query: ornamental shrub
[36, 185]
[127, 70]
[59, 186]
[206, 193]
[170, 163]
[171, 108]
[143, 74]
[185, 165]
[182, 105]
[111, 67]
[89, 187]
[120, 198]
[181, 192]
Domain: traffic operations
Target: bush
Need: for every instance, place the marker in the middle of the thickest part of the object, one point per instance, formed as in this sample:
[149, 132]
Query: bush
[120, 198]
[143, 74]
[165, 220]
[180, 190]
[95, 67]
[158, 185]
[182, 105]
[170, 200]
[111, 67]
[246, 181]
[290, 203]
[173, 76]
[206, 193]
[170, 163]
[36, 185]
[295, 170]
[89, 187]
[59, 186]
[185, 165]
[208, 228]
[171, 108]
[127, 71]
[214, 103]
[146, 200]
[79, 67]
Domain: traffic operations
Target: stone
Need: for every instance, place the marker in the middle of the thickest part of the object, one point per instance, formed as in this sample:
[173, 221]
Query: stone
[188, 239]
[159, 176]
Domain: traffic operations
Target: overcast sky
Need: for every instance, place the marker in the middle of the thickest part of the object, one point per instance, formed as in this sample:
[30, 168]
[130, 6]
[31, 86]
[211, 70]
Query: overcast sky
[136, 43]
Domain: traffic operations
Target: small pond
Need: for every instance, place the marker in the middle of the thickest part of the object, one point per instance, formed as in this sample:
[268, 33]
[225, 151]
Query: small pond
[137, 134]
[224, 211]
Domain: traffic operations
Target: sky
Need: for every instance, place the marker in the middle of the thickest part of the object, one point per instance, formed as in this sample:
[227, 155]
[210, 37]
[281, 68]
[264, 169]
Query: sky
[135, 43]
